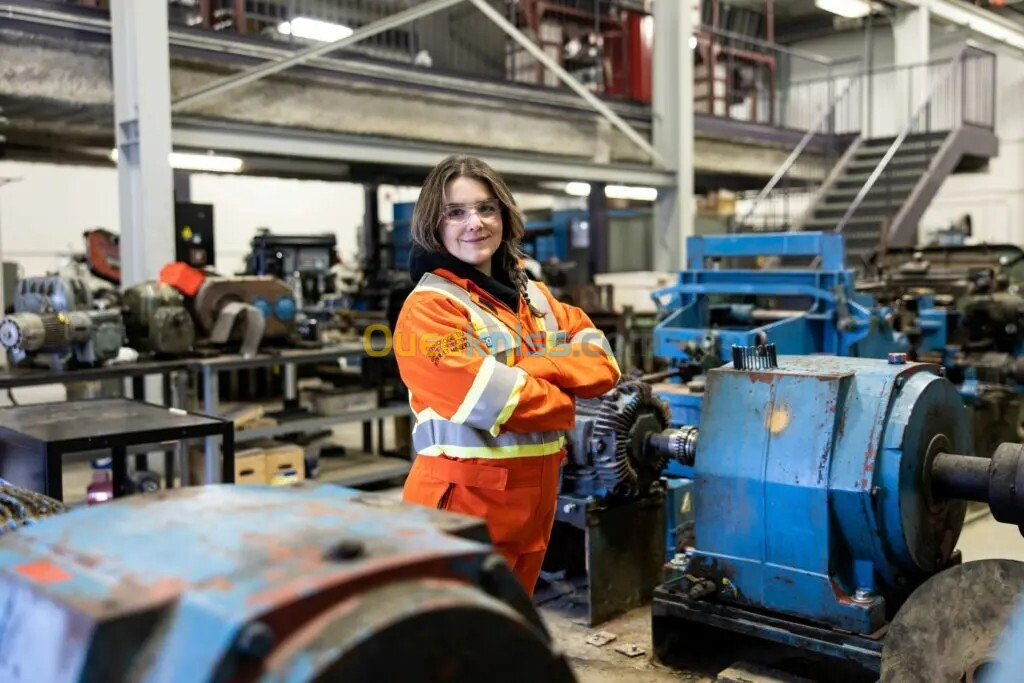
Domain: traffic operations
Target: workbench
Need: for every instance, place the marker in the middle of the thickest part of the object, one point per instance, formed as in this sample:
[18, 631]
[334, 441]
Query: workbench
[46, 432]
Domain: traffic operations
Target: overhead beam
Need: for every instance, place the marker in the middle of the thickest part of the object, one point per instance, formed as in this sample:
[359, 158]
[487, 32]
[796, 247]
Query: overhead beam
[394, 152]
[980, 21]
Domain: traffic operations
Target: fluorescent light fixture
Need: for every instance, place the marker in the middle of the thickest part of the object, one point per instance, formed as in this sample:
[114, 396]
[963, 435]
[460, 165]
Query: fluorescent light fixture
[214, 163]
[851, 9]
[578, 189]
[314, 29]
[643, 194]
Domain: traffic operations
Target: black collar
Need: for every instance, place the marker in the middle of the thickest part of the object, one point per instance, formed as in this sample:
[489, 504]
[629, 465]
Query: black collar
[500, 286]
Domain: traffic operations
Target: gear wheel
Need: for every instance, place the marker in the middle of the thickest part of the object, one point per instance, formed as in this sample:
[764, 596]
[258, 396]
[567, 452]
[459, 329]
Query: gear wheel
[625, 417]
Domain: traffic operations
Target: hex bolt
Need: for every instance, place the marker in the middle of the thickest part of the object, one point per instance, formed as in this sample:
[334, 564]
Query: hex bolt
[255, 640]
[346, 550]
[863, 596]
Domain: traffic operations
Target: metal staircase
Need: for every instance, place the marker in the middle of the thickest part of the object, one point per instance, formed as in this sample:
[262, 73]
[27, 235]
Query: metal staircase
[877, 191]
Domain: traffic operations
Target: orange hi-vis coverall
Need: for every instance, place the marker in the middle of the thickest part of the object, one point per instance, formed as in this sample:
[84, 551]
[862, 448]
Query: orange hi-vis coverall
[492, 401]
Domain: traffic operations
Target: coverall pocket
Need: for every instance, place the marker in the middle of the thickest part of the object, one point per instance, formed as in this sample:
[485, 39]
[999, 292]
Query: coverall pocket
[423, 489]
[510, 514]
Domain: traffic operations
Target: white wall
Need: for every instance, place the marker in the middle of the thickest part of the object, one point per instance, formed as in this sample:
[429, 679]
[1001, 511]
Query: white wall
[241, 204]
[994, 198]
[43, 215]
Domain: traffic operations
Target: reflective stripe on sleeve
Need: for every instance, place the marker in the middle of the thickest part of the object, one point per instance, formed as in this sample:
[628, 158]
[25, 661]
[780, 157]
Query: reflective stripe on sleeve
[494, 388]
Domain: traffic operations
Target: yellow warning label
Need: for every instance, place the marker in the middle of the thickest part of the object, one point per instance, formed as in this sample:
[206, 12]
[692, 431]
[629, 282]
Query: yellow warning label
[687, 504]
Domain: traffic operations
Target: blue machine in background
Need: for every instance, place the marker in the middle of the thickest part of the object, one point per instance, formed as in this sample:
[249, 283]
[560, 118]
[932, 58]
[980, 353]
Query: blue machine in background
[802, 310]
[826, 490]
[401, 235]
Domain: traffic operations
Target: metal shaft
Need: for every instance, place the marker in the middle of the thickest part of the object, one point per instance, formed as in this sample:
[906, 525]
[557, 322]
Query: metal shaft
[961, 477]
[998, 481]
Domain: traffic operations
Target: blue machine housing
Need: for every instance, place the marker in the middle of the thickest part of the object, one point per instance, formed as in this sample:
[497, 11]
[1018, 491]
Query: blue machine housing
[810, 489]
[706, 319]
[205, 584]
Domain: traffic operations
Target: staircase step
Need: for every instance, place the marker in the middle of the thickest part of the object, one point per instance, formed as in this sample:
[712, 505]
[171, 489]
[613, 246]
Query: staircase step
[867, 221]
[879, 149]
[878, 190]
[897, 175]
[838, 209]
[901, 161]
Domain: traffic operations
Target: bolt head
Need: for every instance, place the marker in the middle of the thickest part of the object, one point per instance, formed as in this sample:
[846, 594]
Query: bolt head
[255, 640]
[346, 550]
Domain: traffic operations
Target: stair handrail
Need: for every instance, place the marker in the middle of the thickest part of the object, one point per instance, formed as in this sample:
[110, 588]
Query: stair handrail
[790, 161]
[955, 62]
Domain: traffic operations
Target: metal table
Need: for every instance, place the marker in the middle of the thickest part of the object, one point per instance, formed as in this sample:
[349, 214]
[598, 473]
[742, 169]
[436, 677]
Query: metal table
[50, 430]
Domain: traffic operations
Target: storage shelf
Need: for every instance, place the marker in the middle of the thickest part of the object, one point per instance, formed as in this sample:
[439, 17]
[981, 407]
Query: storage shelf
[319, 422]
[357, 469]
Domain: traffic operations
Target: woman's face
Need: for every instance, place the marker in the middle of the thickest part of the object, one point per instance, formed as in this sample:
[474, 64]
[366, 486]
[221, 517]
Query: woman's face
[472, 226]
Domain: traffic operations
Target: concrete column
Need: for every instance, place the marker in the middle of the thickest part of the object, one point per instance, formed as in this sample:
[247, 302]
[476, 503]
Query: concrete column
[912, 48]
[142, 115]
[672, 74]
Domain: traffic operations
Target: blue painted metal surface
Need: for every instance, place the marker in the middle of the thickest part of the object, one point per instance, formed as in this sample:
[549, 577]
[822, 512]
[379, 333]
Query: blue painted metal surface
[712, 309]
[401, 235]
[679, 517]
[809, 486]
[185, 573]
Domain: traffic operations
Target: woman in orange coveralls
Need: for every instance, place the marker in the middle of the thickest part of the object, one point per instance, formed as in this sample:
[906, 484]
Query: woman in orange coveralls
[493, 364]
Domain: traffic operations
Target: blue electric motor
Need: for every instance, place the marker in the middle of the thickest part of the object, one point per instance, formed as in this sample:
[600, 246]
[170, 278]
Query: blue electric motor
[826, 490]
[248, 583]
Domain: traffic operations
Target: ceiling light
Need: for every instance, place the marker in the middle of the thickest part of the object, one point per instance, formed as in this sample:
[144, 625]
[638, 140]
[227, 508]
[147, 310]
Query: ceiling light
[851, 9]
[644, 194]
[199, 162]
[578, 189]
[314, 29]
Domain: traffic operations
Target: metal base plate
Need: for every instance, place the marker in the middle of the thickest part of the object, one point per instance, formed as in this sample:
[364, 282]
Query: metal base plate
[714, 635]
[620, 546]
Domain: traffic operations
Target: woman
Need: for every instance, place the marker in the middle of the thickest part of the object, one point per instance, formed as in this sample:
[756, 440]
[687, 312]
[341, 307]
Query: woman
[493, 364]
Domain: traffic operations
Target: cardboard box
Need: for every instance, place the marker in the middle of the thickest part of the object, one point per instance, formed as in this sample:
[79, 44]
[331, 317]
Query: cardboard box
[285, 464]
[251, 466]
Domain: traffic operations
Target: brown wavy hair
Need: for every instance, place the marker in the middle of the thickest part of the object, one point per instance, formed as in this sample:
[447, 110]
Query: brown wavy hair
[428, 216]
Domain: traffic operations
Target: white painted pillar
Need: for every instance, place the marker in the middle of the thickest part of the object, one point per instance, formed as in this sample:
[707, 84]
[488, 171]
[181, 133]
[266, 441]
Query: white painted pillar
[672, 73]
[912, 46]
[142, 120]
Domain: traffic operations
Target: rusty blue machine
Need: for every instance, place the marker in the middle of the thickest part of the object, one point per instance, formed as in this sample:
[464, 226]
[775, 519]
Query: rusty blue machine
[826, 491]
[790, 288]
[244, 583]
